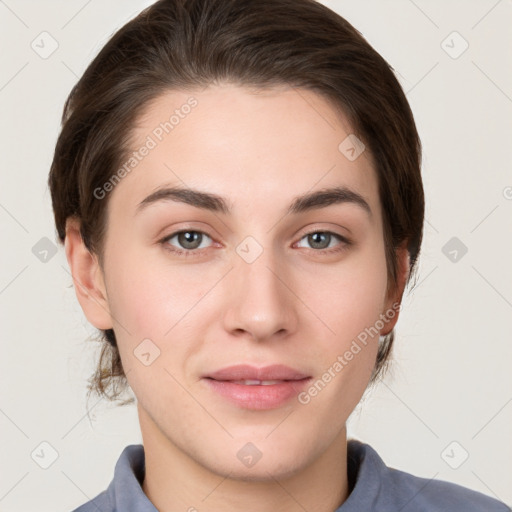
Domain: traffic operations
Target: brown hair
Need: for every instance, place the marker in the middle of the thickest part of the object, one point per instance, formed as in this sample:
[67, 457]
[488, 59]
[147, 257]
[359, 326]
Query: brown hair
[182, 44]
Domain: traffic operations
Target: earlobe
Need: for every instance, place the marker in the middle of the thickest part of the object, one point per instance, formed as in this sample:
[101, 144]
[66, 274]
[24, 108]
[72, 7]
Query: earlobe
[394, 301]
[87, 277]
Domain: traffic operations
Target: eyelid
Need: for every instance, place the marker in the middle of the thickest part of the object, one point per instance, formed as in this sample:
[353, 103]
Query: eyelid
[166, 239]
[343, 245]
[310, 231]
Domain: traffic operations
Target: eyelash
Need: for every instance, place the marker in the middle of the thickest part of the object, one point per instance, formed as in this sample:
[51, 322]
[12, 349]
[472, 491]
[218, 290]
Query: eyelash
[198, 252]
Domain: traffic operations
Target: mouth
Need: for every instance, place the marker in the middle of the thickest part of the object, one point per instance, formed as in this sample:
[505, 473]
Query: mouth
[256, 382]
[247, 373]
[249, 387]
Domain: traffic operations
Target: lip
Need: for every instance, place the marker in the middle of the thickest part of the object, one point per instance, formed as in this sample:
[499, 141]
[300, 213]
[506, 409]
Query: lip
[257, 396]
[248, 372]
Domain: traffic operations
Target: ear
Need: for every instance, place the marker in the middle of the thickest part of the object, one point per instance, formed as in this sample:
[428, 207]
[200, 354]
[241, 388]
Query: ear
[394, 296]
[87, 277]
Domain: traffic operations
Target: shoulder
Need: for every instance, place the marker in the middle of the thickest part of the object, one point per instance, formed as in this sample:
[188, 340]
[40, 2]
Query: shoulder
[101, 502]
[124, 492]
[382, 488]
[438, 495]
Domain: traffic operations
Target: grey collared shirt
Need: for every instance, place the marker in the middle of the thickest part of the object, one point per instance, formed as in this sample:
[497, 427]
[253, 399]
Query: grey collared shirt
[374, 488]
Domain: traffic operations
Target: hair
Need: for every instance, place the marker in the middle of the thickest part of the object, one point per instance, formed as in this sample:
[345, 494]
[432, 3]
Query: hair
[187, 44]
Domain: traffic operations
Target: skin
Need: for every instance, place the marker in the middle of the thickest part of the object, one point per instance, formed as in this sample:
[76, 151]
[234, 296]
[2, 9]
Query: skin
[296, 304]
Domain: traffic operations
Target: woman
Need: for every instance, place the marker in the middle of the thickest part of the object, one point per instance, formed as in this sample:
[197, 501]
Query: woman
[237, 185]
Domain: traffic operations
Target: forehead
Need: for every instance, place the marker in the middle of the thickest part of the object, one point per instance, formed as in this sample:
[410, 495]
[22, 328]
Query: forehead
[247, 144]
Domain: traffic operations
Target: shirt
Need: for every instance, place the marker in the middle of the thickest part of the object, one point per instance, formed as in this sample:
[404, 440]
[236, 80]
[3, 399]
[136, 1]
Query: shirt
[374, 487]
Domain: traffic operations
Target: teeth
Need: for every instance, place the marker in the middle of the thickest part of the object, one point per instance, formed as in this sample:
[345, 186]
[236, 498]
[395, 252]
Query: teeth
[256, 382]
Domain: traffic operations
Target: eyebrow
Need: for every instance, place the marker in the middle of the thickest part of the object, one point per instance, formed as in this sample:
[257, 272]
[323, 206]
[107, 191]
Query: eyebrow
[215, 203]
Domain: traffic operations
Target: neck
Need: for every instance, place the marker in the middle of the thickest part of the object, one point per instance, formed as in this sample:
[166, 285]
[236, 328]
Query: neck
[176, 481]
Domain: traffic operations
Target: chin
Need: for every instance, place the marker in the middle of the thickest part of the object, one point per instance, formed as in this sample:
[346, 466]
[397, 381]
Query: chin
[249, 464]
[262, 471]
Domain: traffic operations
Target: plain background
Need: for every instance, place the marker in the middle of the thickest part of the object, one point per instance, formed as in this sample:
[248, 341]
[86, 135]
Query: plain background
[449, 393]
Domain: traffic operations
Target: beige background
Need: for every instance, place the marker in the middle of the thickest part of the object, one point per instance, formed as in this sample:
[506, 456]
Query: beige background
[450, 391]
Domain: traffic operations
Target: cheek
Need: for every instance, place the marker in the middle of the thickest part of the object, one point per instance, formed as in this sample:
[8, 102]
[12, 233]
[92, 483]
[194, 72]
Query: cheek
[351, 303]
[144, 297]
[150, 302]
[150, 299]
[351, 296]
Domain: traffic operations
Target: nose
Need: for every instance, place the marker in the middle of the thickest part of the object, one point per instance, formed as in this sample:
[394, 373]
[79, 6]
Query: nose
[261, 304]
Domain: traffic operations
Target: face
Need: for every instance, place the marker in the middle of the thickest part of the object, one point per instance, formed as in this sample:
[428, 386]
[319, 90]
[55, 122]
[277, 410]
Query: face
[254, 276]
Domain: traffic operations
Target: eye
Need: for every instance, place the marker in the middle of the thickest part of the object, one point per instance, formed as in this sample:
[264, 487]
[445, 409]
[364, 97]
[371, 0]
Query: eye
[321, 241]
[188, 241]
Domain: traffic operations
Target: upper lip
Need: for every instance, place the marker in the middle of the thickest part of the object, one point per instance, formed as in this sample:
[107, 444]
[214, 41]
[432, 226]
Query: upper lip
[248, 372]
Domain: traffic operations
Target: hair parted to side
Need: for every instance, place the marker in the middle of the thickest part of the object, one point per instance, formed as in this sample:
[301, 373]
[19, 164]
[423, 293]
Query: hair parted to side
[187, 44]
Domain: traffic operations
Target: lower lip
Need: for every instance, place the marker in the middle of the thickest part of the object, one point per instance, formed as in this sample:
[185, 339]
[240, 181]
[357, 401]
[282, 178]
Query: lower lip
[258, 397]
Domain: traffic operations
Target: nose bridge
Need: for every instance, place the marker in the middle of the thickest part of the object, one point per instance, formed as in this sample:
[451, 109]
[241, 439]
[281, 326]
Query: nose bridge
[260, 303]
